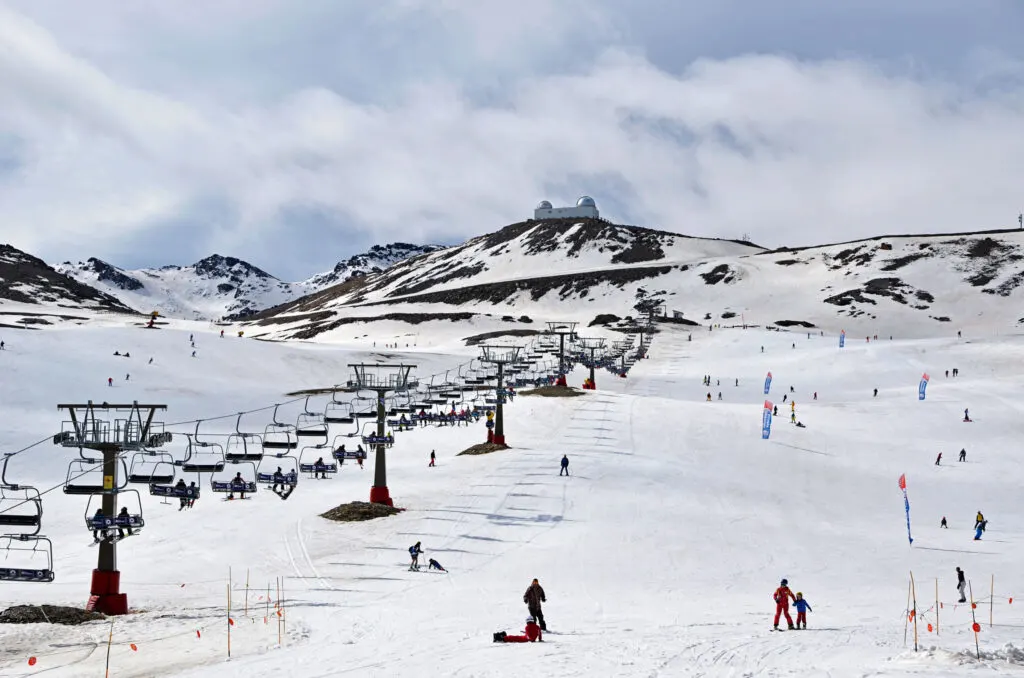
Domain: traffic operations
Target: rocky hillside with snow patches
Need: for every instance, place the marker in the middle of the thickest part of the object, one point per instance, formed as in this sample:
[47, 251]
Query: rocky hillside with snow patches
[219, 287]
[27, 283]
[580, 270]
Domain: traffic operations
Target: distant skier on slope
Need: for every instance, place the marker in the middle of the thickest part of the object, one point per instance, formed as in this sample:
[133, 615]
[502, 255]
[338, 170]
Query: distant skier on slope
[963, 454]
[979, 530]
[802, 608]
[782, 596]
[414, 552]
[565, 465]
[978, 520]
[938, 459]
[961, 585]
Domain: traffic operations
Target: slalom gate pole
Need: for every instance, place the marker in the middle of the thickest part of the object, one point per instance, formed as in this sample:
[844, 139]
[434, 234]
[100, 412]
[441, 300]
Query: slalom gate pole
[906, 619]
[110, 641]
[277, 610]
[246, 611]
[936, 606]
[974, 623]
[991, 600]
[267, 614]
[284, 615]
[913, 588]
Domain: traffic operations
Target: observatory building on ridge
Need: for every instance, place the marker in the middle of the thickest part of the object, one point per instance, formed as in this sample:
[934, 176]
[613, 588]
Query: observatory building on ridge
[585, 207]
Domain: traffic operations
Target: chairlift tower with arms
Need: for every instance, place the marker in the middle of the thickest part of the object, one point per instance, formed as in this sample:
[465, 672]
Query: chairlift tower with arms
[381, 379]
[592, 344]
[500, 356]
[563, 330]
[90, 428]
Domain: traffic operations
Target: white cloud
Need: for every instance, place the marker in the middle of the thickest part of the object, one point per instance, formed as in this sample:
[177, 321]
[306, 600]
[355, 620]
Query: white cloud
[791, 152]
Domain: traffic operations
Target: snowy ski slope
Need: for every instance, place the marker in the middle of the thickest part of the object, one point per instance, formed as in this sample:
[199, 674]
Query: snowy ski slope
[658, 555]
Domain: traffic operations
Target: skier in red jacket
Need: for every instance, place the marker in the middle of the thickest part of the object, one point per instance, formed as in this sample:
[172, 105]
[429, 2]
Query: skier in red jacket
[782, 596]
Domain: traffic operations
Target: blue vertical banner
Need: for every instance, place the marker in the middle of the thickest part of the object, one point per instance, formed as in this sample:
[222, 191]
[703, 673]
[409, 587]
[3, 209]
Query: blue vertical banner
[906, 504]
[922, 386]
[768, 383]
[766, 420]
[842, 339]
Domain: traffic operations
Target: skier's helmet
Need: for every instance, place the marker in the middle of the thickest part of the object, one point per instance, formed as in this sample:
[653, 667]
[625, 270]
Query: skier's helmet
[785, 582]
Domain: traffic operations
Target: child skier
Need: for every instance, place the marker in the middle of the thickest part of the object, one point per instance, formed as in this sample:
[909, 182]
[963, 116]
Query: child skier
[415, 552]
[434, 565]
[802, 608]
[531, 633]
[781, 597]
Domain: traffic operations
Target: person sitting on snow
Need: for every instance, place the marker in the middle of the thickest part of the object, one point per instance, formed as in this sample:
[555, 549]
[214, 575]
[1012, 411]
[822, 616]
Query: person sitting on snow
[434, 565]
[531, 634]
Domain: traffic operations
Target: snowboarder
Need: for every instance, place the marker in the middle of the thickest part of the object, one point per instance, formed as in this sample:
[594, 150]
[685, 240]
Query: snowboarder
[782, 596]
[530, 634]
[963, 454]
[278, 481]
[565, 465]
[237, 483]
[434, 565]
[961, 585]
[320, 469]
[193, 493]
[414, 552]
[433, 457]
[123, 519]
[802, 608]
[533, 597]
[979, 530]
[943, 523]
[110, 381]
[97, 519]
[938, 459]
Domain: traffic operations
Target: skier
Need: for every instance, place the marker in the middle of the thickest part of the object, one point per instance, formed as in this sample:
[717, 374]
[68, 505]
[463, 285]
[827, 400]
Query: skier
[1, 345]
[191, 338]
[110, 381]
[947, 374]
[181, 488]
[737, 382]
[414, 552]
[530, 634]
[978, 520]
[802, 608]
[533, 597]
[967, 416]
[432, 458]
[815, 395]
[792, 390]
[792, 417]
[709, 396]
[938, 459]
[943, 523]
[565, 465]
[150, 361]
[123, 519]
[237, 482]
[961, 585]
[784, 397]
[278, 481]
[979, 530]
[222, 334]
[762, 349]
[775, 411]
[719, 395]
[782, 596]
[434, 565]
[875, 394]
[127, 377]
[193, 354]
[963, 454]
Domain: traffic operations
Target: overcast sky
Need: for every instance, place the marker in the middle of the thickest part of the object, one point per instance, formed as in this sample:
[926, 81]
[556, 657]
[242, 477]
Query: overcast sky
[293, 134]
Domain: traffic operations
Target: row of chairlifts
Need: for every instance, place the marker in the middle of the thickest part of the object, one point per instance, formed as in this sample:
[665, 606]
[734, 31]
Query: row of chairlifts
[27, 555]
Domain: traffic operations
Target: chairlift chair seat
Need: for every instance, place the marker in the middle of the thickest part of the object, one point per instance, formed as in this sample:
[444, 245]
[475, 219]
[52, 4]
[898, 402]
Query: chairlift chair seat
[291, 478]
[172, 491]
[232, 486]
[205, 467]
[318, 468]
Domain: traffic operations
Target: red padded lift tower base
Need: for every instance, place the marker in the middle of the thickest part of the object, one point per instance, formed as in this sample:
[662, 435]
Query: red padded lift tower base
[498, 440]
[380, 495]
[106, 597]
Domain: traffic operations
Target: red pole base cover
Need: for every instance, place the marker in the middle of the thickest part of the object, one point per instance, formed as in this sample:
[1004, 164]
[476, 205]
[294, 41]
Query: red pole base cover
[498, 440]
[380, 495]
[490, 436]
[106, 597]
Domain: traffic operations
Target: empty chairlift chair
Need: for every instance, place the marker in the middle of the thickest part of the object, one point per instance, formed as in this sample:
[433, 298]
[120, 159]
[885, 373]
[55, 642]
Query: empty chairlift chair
[148, 468]
[21, 506]
[26, 558]
[338, 412]
[311, 424]
[364, 407]
[202, 456]
[243, 446]
[279, 435]
[85, 476]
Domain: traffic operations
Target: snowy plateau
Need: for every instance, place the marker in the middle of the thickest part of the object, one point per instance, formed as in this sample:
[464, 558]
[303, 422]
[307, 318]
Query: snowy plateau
[659, 552]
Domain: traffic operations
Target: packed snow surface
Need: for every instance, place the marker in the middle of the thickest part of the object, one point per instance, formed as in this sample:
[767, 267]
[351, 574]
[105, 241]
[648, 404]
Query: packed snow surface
[659, 554]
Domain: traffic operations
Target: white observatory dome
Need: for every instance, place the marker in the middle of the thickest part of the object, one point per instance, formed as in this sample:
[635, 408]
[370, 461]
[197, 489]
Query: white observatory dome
[586, 201]
[544, 205]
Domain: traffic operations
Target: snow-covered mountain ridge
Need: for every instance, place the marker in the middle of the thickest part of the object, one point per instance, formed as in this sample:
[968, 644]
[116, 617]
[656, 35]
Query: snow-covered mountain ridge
[220, 287]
